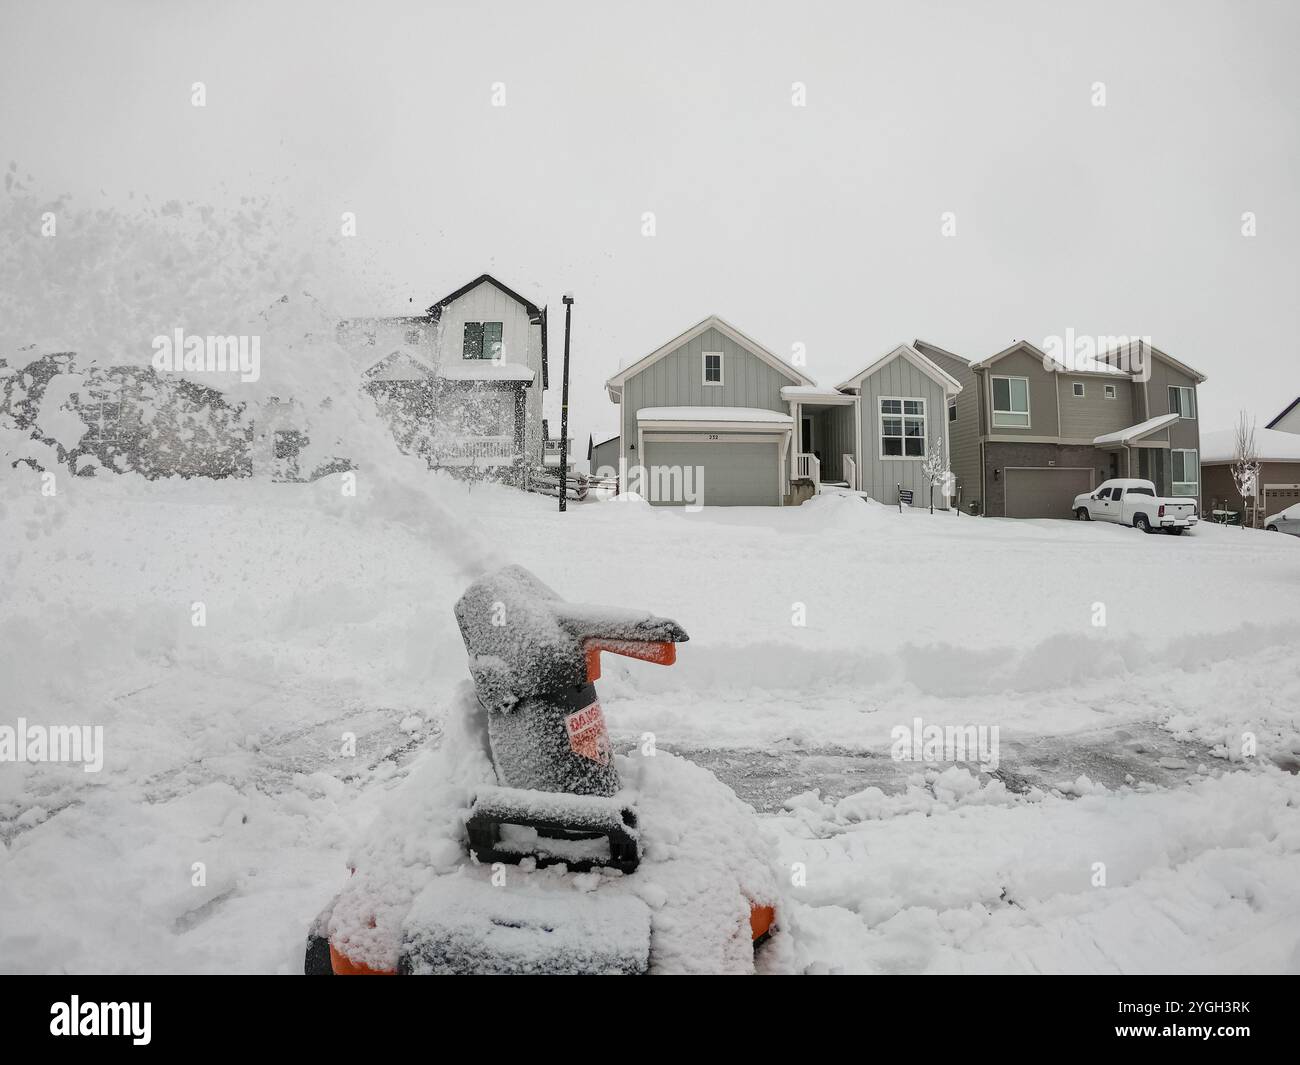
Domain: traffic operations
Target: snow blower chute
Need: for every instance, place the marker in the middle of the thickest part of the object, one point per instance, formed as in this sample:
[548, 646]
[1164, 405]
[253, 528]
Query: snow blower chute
[563, 866]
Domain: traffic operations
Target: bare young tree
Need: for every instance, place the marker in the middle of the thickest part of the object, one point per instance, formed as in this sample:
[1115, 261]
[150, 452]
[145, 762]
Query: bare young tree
[1246, 465]
[934, 468]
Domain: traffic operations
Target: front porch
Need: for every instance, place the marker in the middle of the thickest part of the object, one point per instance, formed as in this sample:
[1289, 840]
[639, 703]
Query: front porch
[826, 441]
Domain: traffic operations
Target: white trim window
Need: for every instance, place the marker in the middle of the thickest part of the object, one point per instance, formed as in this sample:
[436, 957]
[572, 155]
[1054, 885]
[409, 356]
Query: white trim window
[483, 341]
[1182, 401]
[105, 420]
[1010, 402]
[1080, 390]
[1186, 476]
[1110, 392]
[711, 367]
[902, 428]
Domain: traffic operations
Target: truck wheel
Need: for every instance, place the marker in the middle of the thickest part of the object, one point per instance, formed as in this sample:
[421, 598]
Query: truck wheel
[1082, 514]
[1141, 524]
[1271, 528]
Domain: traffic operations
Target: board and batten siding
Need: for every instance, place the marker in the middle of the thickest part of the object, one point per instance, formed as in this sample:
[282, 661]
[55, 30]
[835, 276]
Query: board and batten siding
[898, 378]
[964, 433]
[677, 380]
[1093, 415]
[521, 344]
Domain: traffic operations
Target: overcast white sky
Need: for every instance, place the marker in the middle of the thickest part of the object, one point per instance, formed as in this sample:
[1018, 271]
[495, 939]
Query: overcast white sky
[818, 225]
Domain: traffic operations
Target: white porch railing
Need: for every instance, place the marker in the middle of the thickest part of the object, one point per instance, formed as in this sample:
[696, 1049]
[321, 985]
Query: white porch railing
[476, 451]
[850, 472]
[808, 467]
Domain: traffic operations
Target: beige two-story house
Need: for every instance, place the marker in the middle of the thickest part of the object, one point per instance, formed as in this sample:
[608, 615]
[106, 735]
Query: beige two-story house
[1029, 432]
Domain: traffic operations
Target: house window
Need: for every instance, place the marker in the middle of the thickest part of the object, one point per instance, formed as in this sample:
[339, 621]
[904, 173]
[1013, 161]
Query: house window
[1078, 390]
[952, 410]
[1110, 391]
[1011, 402]
[482, 340]
[1182, 401]
[1187, 472]
[902, 428]
[712, 367]
[105, 419]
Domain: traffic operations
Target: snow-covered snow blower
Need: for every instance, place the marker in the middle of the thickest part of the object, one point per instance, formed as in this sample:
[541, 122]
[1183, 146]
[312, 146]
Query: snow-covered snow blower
[529, 845]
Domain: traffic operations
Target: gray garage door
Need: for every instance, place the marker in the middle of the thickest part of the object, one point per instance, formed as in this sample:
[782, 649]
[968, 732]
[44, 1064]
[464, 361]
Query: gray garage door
[1045, 493]
[722, 474]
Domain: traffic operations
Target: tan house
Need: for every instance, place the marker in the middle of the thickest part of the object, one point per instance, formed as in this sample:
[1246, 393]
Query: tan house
[1029, 432]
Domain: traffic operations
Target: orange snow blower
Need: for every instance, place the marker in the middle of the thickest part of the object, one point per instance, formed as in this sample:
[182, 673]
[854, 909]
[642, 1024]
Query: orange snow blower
[557, 801]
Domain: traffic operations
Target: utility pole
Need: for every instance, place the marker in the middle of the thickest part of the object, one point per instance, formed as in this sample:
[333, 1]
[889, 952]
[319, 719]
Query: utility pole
[564, 408]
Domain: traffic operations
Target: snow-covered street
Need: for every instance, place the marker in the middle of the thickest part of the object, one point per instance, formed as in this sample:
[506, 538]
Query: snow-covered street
[1123, 830]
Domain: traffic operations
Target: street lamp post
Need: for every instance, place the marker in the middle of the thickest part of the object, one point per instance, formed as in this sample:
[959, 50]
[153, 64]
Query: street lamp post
[564, 408]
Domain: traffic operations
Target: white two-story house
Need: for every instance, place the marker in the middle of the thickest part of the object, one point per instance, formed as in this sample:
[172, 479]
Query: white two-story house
[462, 383]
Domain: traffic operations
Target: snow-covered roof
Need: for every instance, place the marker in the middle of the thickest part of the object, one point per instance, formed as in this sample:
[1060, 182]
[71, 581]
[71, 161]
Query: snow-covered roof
[1075, 363]
[1273, 445]
[1289, 408]
[485, 370]
[1136, 432]
[814, 392]
[746, 415]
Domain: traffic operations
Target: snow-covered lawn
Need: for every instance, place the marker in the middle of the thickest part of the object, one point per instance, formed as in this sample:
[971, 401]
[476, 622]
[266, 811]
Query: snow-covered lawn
[328, 615]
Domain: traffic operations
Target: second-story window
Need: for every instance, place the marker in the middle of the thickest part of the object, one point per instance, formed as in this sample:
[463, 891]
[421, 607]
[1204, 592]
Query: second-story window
[482, 340]
[1182, 401]
[713, 367]
[1078, 390]
[1011, 402]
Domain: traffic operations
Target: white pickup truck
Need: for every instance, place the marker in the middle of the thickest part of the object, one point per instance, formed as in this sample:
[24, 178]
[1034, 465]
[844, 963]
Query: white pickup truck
[1135, 503]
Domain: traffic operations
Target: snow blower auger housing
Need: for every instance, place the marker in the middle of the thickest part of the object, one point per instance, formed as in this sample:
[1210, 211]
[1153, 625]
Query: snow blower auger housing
[589, 885]
[534, 659]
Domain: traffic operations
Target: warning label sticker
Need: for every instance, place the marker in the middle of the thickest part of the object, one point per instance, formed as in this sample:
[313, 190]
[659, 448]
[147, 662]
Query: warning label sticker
[587, 735]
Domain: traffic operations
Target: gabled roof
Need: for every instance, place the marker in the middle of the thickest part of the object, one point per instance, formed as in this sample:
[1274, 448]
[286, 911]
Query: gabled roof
[1019, 345]
[536, 315]
[435, 312]
[918, 343]
[1137, 432]
[594, 442]
[1200, 378]
[1289, 408]
[931, 369]
[615, 384]
[393, 360]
